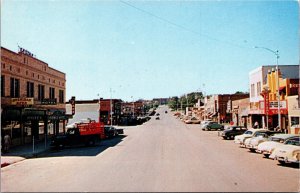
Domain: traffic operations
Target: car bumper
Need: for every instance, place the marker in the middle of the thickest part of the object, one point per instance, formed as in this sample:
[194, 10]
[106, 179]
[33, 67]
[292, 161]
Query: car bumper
[286, 160]
[250, 146]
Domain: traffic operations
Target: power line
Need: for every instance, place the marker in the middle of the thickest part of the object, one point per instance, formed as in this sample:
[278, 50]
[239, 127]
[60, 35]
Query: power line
[181, 27]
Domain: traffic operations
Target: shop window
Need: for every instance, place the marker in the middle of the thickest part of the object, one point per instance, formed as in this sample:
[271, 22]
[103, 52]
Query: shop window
[258, 88]
[51, 93]
[30, 89]
[252, 90]
[2, 86]
[61, 96]
[14, 88]
[295, 121]
[41, 92]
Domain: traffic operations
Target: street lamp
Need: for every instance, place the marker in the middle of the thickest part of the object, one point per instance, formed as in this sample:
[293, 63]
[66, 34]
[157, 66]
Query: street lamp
[133, 106]
[278, 94]
[111, 113]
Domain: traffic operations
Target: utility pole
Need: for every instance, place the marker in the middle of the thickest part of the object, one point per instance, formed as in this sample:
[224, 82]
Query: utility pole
[111, 113]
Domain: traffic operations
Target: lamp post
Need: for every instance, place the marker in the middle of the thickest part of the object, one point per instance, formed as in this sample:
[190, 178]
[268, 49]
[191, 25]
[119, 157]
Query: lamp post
[278, 94]
[132, 106]
[111, 113]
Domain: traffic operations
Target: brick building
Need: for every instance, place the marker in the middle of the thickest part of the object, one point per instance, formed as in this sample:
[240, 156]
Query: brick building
[215, 106]
[32, 96]
[90, 109]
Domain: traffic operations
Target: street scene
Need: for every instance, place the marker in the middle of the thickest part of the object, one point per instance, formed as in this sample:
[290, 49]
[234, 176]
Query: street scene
[161, 155]
[150, 96]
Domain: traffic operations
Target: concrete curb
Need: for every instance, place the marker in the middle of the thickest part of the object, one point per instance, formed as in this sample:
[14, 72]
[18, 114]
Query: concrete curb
[9, 160]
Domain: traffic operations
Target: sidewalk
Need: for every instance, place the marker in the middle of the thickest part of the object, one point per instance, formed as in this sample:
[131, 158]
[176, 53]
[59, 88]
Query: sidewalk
[22, 152]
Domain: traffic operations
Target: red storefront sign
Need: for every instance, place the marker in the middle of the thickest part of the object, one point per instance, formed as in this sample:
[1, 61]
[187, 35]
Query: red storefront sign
[275, 111]
[265, 94]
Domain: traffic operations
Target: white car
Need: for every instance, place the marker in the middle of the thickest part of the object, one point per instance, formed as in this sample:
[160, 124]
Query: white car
[260, 137]
[267, 147]
[203, 123]
[288, 152]
[240, 139]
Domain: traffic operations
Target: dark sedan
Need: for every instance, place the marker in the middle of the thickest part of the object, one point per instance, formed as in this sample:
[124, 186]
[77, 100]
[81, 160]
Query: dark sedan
[110, 131]
[232, 131]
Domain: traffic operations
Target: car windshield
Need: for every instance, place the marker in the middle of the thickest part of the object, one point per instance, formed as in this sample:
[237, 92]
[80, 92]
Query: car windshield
[276, 139]
[259, 134]
[294, 141]
[248, 132]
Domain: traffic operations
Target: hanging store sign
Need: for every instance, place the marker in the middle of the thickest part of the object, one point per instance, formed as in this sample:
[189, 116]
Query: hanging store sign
[49, 101]
[22, 101]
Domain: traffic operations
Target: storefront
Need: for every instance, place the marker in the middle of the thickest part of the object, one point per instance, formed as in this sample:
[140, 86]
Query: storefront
[27, 124]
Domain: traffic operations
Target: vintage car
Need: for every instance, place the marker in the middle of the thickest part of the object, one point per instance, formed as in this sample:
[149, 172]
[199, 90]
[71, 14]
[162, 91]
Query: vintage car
[213, 126]
[232, 131]
[259, 137]
[193, 120]
[267, 147]
[205, 122]
[288, 152]
[240, 139]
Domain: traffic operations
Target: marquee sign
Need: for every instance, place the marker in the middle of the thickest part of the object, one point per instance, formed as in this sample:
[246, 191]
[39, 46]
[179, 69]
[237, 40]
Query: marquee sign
[22, 101]
[272, 108]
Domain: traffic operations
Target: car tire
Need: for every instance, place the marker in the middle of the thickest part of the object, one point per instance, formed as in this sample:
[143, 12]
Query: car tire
[266, 155]
[281, 162]
[231, 137]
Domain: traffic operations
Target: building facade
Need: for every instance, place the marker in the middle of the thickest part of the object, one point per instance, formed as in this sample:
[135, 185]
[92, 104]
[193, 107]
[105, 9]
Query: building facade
[32, 97]
[240, 111]
[264, 110]
[215, 106]
[294, 114]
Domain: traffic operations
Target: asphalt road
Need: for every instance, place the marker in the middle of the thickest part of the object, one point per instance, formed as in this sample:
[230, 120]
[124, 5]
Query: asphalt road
[161, 155]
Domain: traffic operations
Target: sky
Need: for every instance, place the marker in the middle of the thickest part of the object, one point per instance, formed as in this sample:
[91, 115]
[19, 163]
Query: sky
[148, 49]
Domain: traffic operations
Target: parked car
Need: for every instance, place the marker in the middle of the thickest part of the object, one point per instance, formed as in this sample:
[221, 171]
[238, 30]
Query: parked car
[203, 123]
[259, 137]
[110, 131]
[213, 126]
[193, 120]
[232, 131]
[288, 152]
[240, 139]
[157, 118]
[267, 147]
[166, 111]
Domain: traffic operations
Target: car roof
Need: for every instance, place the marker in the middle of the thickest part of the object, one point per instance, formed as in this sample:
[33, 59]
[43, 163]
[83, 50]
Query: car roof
[254, 130]
[285, 136]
